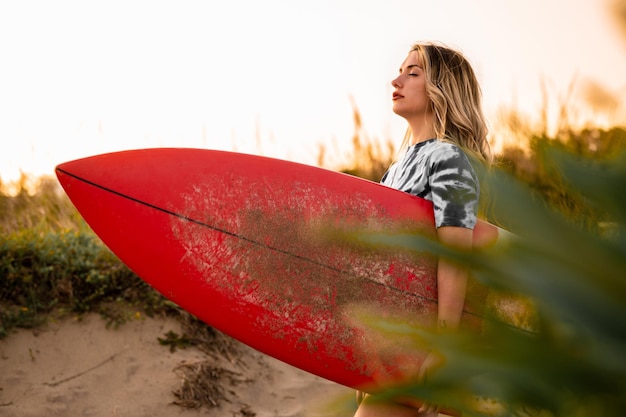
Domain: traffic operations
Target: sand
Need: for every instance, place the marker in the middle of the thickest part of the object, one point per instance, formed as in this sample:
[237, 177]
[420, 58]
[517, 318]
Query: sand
[73, 367]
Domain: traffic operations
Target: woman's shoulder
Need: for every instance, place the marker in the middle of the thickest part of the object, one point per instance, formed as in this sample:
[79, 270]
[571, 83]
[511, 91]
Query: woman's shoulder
[442, 150]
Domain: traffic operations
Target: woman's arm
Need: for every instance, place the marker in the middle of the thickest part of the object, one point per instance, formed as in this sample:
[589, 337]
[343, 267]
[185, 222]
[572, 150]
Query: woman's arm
[452, 278]
[451, 284]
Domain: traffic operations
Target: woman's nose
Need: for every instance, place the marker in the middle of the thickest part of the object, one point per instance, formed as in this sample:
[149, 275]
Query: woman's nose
[396, 82]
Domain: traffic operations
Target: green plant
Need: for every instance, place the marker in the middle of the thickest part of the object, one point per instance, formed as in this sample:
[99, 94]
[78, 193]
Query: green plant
[175, 341]
[536, 167]
[69, 270]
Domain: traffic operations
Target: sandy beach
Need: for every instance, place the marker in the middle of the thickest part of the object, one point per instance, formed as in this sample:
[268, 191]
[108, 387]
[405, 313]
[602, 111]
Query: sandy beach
[73, 367]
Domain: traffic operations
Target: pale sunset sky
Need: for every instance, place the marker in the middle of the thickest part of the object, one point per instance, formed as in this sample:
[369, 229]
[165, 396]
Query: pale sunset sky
[270, 77]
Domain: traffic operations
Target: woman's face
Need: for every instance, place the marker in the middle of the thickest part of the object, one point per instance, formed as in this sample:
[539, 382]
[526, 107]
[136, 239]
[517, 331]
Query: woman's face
[409, 97]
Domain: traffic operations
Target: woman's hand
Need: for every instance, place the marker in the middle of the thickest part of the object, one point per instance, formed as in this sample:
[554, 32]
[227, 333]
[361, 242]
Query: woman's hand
[432, 362]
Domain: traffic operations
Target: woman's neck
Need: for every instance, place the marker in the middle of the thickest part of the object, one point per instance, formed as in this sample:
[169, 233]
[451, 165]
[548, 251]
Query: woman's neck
[421, 130]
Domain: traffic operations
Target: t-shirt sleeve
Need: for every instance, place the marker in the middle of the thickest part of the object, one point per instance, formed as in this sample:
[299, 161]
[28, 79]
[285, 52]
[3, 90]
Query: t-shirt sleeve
[454, 188]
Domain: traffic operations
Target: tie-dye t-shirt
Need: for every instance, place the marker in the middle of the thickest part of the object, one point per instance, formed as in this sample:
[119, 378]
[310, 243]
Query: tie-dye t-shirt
[440, 172]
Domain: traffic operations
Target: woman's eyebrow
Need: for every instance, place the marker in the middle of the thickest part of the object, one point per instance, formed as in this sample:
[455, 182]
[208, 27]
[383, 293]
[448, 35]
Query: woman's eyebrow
[408, 67]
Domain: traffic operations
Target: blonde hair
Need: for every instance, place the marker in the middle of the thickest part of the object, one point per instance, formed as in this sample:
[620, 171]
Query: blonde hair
[456, 99]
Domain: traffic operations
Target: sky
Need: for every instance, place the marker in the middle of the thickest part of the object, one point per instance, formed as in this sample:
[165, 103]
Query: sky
[270, 77]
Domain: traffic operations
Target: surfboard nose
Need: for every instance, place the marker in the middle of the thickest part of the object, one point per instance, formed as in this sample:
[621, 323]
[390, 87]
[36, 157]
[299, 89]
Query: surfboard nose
[66, 170]
[91, 168]
[69, 173]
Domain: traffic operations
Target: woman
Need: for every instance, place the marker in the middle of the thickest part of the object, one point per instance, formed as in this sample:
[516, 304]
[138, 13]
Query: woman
[438, 95]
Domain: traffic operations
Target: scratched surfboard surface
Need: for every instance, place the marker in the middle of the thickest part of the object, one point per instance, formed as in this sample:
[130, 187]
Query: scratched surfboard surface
[265, 250]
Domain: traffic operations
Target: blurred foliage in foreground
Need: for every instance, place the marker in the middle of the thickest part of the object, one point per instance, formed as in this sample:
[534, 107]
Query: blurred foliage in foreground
[575, 364]
[530, 163]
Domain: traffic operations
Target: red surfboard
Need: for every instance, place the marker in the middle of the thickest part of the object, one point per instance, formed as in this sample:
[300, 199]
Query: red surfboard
[265, 251]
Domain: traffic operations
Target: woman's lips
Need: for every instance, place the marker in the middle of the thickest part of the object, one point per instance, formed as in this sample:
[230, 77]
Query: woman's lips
[396, 96]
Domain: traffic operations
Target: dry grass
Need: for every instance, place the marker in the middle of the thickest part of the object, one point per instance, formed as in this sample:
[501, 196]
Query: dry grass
[207, 383]
[203, 384]
[37, 204]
